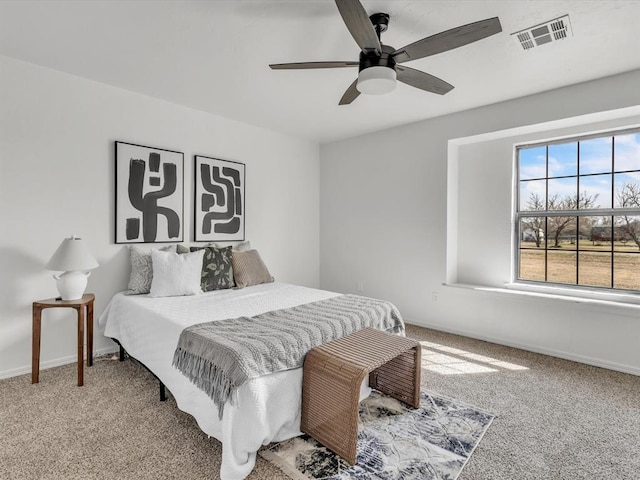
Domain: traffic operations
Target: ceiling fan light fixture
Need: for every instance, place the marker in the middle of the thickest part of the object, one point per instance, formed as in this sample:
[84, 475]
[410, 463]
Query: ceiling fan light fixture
[379, 64]
[376, 80]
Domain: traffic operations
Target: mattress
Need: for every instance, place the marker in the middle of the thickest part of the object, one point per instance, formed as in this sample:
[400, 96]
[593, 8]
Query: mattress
[266, 409]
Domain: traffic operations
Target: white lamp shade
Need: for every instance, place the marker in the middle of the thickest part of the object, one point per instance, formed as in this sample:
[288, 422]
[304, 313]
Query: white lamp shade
[376, 80]
[72, 255]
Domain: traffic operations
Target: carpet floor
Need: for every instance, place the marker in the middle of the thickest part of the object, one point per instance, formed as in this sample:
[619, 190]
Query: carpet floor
[555, 419]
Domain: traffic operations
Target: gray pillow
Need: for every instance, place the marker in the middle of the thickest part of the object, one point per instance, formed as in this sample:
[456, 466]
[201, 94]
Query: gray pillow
[182, 248]
[142, 269]
[217, 270]
[249, 269]
[244, 246]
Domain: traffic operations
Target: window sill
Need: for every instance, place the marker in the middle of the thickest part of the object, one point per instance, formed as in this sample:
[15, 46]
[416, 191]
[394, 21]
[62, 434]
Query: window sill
[587, 297]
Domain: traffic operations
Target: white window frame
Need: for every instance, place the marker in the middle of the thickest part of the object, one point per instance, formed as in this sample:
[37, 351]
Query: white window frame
[610, 212]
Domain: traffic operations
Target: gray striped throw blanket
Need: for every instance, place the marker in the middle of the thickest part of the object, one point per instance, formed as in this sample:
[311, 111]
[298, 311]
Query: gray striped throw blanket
[218, 357]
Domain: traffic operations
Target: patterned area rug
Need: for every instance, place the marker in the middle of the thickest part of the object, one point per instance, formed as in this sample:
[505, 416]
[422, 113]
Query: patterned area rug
[395, 442]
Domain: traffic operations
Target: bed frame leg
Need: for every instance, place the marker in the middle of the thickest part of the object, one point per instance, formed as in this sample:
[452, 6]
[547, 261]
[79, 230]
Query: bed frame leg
[163, 393]
[163, 389]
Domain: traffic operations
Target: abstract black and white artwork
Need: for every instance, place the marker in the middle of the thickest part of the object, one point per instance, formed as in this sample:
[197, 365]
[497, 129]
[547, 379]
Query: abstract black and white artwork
[219, 200]
[149, 194]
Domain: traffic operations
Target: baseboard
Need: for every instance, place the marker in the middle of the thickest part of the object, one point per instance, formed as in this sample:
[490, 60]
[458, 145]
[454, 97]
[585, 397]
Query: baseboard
[596, 362]
[56, 362]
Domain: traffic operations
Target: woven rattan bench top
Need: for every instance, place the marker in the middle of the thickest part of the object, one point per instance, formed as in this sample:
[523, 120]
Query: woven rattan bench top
[368, 348]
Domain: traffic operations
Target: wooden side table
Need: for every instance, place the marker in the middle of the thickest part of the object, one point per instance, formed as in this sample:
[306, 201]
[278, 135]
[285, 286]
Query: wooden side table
[81, 305]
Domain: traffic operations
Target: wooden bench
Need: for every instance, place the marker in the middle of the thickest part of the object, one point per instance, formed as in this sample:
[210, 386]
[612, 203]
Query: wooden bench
[332, 376]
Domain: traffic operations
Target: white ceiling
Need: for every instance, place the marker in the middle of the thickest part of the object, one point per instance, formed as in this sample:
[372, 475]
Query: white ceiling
[214, 55]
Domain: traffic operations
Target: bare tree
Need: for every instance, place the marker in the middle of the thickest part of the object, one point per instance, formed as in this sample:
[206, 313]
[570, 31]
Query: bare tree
[557, 225]
[629, 197]
[535, 224]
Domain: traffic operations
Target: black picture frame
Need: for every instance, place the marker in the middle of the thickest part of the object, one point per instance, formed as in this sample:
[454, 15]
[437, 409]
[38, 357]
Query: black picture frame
[149, 194]
[219, 200]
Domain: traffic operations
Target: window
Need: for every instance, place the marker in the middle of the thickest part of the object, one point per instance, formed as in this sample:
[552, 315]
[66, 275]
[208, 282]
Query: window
[578, 211]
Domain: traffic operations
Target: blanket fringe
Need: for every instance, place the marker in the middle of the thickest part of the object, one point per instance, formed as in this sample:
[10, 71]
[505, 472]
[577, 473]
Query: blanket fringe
[206, 376]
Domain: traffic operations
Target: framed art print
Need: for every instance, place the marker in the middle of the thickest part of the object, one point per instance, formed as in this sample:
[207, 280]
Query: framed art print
[149, 194]
[219, 200]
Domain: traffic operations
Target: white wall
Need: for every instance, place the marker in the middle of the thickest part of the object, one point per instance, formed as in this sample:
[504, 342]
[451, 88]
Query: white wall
[383, 218]
[481, 222]
[57, 136]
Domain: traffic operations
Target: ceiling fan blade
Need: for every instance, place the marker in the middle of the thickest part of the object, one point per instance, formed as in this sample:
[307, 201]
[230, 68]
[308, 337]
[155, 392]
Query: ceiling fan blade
[448, 40]
[304, 65]
[350, 95]
[422, 80]
[357, 21]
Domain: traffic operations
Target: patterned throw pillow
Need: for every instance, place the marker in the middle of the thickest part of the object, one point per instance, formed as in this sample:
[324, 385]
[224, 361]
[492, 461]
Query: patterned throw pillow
[217, 270]
[249, 269]
[142, 269]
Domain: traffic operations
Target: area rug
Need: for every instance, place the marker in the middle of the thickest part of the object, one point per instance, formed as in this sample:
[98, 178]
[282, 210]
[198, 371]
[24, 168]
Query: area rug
[395, 442]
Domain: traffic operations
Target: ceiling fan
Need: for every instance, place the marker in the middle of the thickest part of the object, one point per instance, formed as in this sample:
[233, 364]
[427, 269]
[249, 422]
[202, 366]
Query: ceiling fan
[379, 64]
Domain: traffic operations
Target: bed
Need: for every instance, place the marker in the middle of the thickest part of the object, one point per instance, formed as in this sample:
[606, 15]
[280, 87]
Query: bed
[265, 409]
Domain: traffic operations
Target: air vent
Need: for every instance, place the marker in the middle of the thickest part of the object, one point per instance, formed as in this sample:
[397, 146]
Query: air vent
[548, 32]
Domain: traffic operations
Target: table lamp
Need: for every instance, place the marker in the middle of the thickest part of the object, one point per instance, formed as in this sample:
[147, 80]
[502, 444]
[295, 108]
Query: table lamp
[74, 258]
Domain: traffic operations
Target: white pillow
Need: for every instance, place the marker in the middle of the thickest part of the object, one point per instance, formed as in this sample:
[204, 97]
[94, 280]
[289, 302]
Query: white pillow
[176, 274]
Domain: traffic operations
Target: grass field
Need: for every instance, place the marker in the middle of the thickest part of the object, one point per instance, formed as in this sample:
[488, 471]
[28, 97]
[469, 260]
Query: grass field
[593, 264]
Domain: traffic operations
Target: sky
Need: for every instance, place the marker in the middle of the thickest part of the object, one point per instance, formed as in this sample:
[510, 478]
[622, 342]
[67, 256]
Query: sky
[595, 168]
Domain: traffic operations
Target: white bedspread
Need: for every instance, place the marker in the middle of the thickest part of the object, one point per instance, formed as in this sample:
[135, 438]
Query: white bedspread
[267, 408]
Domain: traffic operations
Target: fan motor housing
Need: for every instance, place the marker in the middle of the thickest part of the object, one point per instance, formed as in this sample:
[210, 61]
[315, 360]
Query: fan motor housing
[380, 22]
[372, 59]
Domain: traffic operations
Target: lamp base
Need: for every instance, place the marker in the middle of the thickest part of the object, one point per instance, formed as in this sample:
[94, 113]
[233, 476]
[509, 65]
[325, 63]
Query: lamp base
[71, 285]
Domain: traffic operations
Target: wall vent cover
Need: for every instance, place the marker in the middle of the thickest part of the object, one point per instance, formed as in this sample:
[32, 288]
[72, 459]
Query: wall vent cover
[548, 32]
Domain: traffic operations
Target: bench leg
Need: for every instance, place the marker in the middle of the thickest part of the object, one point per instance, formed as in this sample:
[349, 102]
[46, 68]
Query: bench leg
[336, 425]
